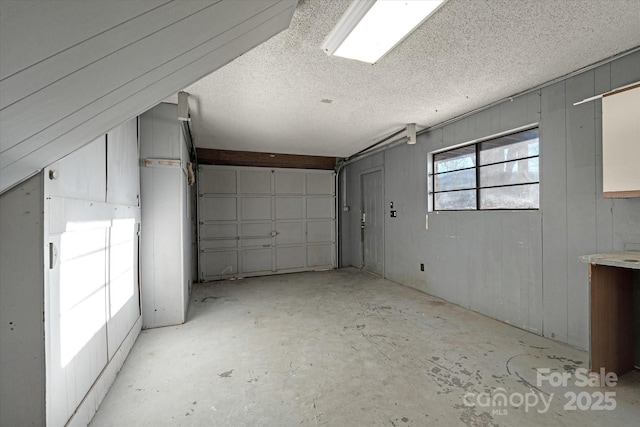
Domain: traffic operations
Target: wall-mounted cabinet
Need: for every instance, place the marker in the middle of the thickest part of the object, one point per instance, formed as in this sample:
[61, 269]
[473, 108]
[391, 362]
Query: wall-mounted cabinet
[621, 142]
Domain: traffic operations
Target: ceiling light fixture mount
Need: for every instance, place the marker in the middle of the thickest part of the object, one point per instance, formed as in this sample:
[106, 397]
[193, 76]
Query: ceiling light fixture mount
[183, 107]
[371, 28]
[411, 133]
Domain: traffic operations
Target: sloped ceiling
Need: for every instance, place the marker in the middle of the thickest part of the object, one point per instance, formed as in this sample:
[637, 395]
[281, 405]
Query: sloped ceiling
[288, 96]
[71, 70]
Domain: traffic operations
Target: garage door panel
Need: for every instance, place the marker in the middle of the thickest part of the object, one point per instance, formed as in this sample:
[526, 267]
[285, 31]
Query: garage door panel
[319, 183]
[256, 234]
[218, 181]
[290, 258]
[228, 231]
[255, 182]
[320, 256]
[219, 208]
[288, 233]
[220, 263]
[320, 231]
[289, 208]
[218, 244]
[288, 182]
[256, 208]
[256, 260]
[320, 207]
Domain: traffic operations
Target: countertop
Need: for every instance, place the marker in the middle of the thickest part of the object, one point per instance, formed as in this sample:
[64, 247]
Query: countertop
[626, 259]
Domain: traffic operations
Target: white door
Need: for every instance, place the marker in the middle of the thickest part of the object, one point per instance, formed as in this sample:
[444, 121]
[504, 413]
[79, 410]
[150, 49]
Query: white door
[259, 221]
[372, 222]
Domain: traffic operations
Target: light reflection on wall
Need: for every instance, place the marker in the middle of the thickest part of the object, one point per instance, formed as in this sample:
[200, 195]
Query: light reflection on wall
[82, 289]
[97, 267]
[122, 281]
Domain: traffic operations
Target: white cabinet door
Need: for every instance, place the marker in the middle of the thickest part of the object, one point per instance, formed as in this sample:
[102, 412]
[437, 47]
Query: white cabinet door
[621, 143]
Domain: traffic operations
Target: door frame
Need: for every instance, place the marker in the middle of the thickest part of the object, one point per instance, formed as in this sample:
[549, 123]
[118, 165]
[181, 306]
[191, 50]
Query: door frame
[384, 212]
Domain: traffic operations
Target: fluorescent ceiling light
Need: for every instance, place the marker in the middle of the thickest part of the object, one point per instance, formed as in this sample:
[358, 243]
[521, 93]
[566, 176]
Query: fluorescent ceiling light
[369, 28]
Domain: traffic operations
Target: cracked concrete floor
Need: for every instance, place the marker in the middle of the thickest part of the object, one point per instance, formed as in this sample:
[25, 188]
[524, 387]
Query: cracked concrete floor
[344, 348]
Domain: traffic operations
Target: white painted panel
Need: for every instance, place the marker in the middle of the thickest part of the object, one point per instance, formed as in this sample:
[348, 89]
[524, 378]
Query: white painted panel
[255, 182]
[22, 379]
[288, 182]
[218, 243]
[31, 30]
[219, 208]
[290, 233]
[187, 221]
[218, 181]
[95, 279]
[77, 345]
[217, 264]
[290, 258]
[89, 405]
[57, 395]
[123, 294]
[160, 133]
[143, 56]
[289, 208]
[621, 141]
[57, 65]
[81, 174]
[225, 231]
[74, 109]
[123, 175]
[166, 220]
[320, 231]
[320, 207]
[218, 236]
[319, 183]
[255, 208]
[256, 234]
[320, 256]
[256, 260]
[161, 267]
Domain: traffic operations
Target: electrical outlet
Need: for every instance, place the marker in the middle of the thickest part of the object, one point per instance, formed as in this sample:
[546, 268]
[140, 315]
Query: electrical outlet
[421, 267]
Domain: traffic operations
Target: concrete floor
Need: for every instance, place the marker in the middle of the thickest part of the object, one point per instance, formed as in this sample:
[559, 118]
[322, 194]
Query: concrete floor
[344, 348]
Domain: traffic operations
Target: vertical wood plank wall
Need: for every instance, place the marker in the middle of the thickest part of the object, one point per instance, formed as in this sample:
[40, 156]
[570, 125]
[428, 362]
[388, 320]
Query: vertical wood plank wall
[141, 52]
[22, 399]
[518, 267]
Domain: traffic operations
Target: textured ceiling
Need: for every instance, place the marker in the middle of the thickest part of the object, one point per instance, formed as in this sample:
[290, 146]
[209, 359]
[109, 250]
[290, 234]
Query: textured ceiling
[470, 53]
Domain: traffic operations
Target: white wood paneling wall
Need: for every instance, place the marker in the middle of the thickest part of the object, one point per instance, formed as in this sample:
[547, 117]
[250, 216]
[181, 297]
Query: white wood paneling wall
[165, 251]
[22, 357]
[73, 70]
[92, 300]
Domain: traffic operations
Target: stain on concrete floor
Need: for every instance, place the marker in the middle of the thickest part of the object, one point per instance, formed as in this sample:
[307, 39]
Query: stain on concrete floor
[342, 348]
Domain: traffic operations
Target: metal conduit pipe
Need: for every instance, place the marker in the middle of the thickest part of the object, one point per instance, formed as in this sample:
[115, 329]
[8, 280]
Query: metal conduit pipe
[365, 153]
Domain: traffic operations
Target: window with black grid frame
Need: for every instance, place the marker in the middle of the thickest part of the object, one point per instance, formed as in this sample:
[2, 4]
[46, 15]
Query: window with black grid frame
[498, 173]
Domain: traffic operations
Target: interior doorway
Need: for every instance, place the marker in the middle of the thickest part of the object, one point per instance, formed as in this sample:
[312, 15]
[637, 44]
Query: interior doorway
[372, 221]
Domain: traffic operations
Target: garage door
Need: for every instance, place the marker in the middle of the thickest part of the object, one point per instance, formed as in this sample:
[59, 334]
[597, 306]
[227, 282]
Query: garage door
[259, 221]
